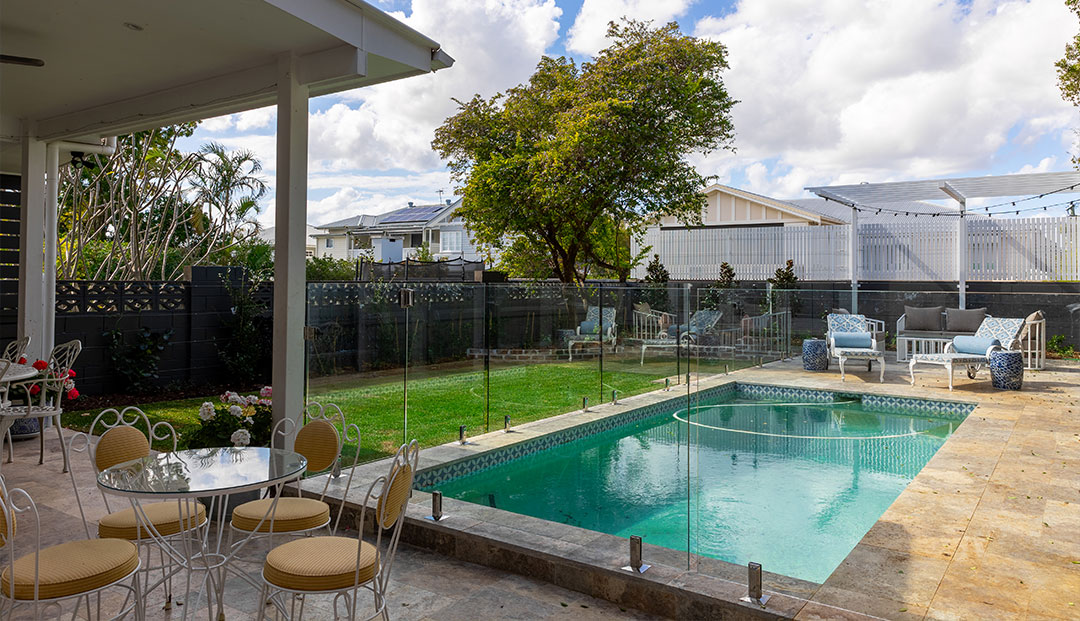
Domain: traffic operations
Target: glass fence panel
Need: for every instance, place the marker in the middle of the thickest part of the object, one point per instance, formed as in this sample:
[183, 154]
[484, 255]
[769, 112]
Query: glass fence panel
[356, 348]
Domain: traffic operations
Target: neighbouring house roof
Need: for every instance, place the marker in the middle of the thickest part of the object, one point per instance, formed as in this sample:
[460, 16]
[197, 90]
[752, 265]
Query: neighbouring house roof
[267, 235]
[784, 206]
[406, 219]
[350, 222]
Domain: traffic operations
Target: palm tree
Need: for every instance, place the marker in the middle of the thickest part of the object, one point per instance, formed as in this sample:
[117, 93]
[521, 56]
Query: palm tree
[228, 183]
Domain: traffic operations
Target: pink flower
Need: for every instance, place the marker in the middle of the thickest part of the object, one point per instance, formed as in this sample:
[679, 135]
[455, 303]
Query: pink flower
[41, 365]
[266, 392]
[73, 394]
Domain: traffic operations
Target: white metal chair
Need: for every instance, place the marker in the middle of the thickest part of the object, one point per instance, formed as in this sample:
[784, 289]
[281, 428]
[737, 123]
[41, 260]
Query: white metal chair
[16, 349]
[342, 565]
[598, 327]
[121, 440]
[78, 570]
[853, 337]
[320, 441]
[42, 398]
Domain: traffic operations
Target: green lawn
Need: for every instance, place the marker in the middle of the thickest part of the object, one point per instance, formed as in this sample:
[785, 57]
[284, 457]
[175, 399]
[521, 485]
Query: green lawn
[441, 400]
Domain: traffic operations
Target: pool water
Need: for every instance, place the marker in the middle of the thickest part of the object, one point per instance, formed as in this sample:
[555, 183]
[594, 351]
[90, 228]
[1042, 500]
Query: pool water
[793, 486]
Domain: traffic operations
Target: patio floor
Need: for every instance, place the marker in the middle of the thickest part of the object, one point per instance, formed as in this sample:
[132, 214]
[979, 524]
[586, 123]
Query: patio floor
[423, 585]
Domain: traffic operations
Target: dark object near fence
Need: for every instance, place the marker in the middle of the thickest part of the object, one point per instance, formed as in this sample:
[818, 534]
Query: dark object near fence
[410, 270]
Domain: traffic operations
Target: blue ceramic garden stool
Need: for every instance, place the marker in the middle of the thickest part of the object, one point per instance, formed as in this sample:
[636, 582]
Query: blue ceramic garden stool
[815, 355]
[1007, 370]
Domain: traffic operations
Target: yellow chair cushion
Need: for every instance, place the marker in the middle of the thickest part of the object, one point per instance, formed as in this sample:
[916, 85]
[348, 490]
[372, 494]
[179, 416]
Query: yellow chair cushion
[165, 516]
[320, 564]
[290, 515]
[72, 568]
[118, 445]
[317, 441]
[395, 494]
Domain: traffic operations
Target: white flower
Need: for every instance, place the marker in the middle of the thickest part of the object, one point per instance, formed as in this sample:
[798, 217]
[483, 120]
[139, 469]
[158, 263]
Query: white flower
[235, 398]
[252, 400]
[236, 411]
[249, 421]
[240, 437]
[206, 410]
[266, 392]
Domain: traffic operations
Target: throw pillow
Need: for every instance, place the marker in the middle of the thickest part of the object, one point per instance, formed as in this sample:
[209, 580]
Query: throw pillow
[859, 340]
[1033, 317]
[923, 318]
[973, 344]
[958, 320]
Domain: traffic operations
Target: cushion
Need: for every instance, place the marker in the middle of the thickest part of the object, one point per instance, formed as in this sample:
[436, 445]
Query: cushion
[165, 516]
[957, 320]
[71, 568]
[841, 311]
[395, 495]
[920, 318]
[588, 327]
[935, 334]
[973, 344]
[290, 515]
[317, 441]
[320, 563]
[853, 339]
[120, 444]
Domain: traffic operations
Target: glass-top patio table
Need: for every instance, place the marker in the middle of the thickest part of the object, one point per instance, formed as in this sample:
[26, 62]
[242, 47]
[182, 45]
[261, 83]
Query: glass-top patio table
[213, 474]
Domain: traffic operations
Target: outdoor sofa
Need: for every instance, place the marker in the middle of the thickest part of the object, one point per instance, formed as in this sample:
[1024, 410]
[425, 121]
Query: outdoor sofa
[928, 330]
[973, 352]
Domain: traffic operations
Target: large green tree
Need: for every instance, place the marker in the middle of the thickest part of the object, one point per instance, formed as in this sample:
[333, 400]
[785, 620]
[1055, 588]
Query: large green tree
[1068, 68]
[572, 164]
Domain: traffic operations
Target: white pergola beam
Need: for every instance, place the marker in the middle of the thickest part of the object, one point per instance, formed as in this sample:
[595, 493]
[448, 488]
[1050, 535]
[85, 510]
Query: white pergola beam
[290, 226]
[224, 94]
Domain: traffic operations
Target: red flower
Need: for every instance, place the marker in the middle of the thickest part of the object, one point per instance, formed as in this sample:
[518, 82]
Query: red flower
[71, 372]
[35, 389]
[22, 359]
[41, 365]
[73, 393]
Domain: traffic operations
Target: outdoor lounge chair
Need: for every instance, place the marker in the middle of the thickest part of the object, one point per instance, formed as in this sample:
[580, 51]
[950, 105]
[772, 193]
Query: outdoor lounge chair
[853, 337]
[597, 328]
[995, 333]
[650, 323]
[701, 322]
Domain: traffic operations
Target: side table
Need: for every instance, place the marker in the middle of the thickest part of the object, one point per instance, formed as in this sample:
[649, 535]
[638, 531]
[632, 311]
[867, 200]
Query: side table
[815, 355]
[1007, 370]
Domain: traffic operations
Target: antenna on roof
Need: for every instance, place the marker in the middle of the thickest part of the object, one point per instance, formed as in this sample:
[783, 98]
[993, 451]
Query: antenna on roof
[440, 191]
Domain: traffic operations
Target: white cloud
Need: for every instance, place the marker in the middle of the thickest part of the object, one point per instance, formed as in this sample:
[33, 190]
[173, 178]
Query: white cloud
[496, 44]
[588, 35]
[841, 91]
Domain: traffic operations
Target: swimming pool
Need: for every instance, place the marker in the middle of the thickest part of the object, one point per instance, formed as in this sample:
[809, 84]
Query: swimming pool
[788, 478]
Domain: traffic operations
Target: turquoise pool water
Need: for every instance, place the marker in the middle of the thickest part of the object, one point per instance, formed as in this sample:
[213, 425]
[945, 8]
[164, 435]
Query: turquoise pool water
[792, 486]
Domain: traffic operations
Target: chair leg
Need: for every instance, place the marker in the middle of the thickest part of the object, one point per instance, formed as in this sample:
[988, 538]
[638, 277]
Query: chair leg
[842, 359]
[11, 447]
[60, 434]
[911, 371]
[949, 370]
[41, 441]
[881, 363]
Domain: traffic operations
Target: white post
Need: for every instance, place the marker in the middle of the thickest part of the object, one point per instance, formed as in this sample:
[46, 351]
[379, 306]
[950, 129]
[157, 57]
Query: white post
[962, 254]
[52, 200]
[290, 286]
[32, 238]
[853, 259]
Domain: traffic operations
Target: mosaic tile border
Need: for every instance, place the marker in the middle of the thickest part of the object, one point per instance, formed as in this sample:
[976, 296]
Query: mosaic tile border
[430, 477]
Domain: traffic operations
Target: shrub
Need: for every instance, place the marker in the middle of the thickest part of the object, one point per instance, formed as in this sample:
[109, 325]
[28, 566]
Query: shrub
[137, 362]
[219, 422]
[657, 277]
[328, 268]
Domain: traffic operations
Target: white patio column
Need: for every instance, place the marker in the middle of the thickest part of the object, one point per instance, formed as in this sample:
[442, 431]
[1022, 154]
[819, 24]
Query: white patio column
[32, 239]
[290, 221]
[52, 208]
[853, 259]
[961, 242]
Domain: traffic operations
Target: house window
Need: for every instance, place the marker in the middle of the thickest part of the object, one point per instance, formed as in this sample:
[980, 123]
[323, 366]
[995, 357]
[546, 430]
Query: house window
[450, 241]
[329, 242]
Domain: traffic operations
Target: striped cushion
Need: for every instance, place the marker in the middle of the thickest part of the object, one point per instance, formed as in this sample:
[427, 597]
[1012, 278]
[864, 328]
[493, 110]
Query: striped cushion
[394, 496]
[290, 515]
[71, 568]
[118, 445]
[317, 441]
[165, 516]
[320, 563]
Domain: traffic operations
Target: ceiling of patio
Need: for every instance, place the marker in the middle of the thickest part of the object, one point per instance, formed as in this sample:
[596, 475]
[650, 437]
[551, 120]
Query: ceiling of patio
[122, 65]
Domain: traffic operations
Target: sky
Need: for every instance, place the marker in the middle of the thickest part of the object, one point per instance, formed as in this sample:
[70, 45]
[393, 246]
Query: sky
[830, 91]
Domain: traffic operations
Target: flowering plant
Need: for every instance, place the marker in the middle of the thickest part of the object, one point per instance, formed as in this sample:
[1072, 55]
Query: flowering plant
[33, 389]
[236, 420]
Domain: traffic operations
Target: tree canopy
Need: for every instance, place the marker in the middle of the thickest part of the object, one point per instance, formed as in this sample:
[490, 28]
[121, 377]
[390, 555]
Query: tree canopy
[572, 164]
[1068, 68]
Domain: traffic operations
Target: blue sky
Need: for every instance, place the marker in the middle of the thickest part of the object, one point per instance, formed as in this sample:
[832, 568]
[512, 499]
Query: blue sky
[831, 91]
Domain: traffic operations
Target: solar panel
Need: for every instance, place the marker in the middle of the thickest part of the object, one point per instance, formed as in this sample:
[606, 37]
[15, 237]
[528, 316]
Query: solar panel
[412, 214]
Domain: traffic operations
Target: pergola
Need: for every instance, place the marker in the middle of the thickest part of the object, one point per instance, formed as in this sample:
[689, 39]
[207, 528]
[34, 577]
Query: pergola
[126, 65]
[960, 189]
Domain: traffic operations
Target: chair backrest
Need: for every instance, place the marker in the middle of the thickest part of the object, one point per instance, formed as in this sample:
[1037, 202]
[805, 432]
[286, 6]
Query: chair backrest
[1004, 329]
[704, 320]
[846, 323]
[16, 349]
[393, 500]
[63, 357]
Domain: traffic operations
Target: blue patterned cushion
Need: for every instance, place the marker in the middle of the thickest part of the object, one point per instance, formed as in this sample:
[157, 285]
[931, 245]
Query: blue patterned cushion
[973, 344]
[1003, 329]
[588, 327]
[846, 323]
[853, 339]
[859, 353]
[952, 356]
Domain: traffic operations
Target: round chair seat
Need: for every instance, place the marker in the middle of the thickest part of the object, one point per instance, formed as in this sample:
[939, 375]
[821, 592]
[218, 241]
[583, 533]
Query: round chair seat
[320, 564]
[290, 515]
[165, 516]
[72, 568]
